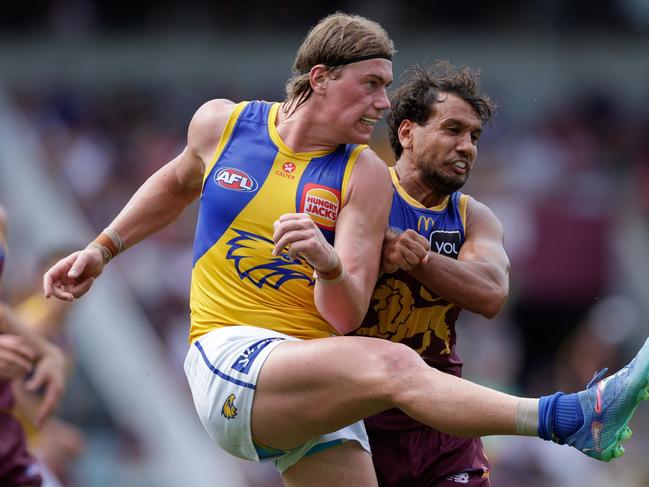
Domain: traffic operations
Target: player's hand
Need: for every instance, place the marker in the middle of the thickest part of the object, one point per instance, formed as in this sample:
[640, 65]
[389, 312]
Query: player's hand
[301, 236]
[403, 251]
[72, 276]
[50, 374]
[16, 357]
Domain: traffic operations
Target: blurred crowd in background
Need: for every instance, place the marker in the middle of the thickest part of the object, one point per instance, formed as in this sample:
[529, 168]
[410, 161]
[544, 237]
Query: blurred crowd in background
[566, 180]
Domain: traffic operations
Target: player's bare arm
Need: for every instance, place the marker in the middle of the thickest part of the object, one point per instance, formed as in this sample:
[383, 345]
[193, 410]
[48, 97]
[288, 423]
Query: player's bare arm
[161, 199]
[355, 257]
[156, 204]
[359, 235]
[479, 279]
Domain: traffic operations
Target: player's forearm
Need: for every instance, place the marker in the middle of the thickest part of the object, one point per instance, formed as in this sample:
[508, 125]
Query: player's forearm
[158, 202]
[476, 286]
[343, 304]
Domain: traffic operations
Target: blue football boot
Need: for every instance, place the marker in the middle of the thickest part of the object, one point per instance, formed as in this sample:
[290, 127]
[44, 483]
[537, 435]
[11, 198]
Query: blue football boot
[608, 405]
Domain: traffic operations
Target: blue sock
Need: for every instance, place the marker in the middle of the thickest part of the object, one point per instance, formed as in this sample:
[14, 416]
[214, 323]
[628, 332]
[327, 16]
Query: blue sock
[560, 416]
[568, 417]
[547, 407]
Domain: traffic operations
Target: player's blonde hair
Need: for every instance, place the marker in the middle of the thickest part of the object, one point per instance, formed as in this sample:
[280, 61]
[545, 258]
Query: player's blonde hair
[335, 41]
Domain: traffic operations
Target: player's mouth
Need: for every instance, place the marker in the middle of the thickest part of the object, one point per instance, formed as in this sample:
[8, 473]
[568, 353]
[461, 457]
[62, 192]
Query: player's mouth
[369, 122]
[460, 167]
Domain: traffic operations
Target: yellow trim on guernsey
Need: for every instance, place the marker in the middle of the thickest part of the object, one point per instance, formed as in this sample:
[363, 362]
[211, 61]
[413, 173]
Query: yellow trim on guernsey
[409, 199]
[348, 172]
[283, 148]
[225, 136]
[464, 205]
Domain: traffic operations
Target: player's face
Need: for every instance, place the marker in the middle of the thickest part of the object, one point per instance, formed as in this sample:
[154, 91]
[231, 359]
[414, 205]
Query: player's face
[446, 146]
[356, 99]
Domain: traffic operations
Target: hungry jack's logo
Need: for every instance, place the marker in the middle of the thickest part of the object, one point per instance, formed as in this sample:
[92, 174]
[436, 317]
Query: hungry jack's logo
[322, 204]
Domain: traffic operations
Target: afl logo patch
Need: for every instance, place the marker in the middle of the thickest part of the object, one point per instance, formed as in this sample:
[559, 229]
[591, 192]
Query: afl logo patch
[322, 204]
[235, 180]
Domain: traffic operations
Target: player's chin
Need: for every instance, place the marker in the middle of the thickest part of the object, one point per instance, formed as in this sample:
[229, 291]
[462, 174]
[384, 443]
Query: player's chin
[361, 136]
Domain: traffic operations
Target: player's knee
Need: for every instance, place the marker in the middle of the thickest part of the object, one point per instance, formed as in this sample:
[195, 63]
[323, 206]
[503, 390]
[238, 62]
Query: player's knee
[398, 362]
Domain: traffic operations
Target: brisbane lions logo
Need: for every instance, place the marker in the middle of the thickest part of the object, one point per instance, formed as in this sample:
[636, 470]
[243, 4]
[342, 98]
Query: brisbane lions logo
[254, 261]
[400, 316]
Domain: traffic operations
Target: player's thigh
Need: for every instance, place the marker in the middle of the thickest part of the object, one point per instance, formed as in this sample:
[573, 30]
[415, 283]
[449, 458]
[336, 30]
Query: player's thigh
[313, 387]
[341, 465]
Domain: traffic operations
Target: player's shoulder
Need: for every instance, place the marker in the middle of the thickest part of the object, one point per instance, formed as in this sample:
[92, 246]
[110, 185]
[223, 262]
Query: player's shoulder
[476, 206]
[213, 113]
[370, 175]
[369, 161]
[208, 123]
[479, 214]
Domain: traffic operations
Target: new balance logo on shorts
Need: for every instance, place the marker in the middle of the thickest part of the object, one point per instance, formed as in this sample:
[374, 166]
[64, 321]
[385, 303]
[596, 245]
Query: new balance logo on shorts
[460, 478]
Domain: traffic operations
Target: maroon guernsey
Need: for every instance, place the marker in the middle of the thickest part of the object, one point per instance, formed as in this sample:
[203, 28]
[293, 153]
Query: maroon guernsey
[406, 452]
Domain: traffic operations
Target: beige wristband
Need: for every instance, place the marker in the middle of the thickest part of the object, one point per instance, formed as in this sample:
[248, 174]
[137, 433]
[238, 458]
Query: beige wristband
[330, 282]
[105, 251]
[334, 272]
[109, 243]
[117, 240]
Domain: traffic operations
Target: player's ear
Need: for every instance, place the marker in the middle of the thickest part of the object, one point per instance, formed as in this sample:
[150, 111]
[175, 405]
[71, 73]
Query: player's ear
[318, 78]
[405, 133]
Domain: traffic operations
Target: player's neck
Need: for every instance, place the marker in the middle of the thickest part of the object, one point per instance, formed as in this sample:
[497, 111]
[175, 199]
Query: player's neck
[300, 130]
[412, 184]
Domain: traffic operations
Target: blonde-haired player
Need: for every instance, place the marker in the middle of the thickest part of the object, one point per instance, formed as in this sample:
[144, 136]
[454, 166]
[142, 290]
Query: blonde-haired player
[293, 208]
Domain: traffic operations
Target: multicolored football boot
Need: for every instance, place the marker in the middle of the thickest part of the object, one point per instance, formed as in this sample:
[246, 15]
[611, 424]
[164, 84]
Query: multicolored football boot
[608, 405]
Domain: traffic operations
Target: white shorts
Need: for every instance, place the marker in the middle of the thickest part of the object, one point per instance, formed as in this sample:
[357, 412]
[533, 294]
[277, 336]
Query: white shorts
[222, 368]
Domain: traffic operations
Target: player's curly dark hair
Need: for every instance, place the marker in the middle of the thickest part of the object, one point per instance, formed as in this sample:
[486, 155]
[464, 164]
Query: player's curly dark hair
[420, 90]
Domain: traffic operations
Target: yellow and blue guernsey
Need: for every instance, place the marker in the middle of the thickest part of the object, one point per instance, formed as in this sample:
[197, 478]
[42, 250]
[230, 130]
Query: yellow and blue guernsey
[252, 180]
[402, 309]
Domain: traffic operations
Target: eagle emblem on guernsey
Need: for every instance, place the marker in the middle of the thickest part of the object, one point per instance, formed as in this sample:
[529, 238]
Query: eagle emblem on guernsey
[254, 261]
[229, 410]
